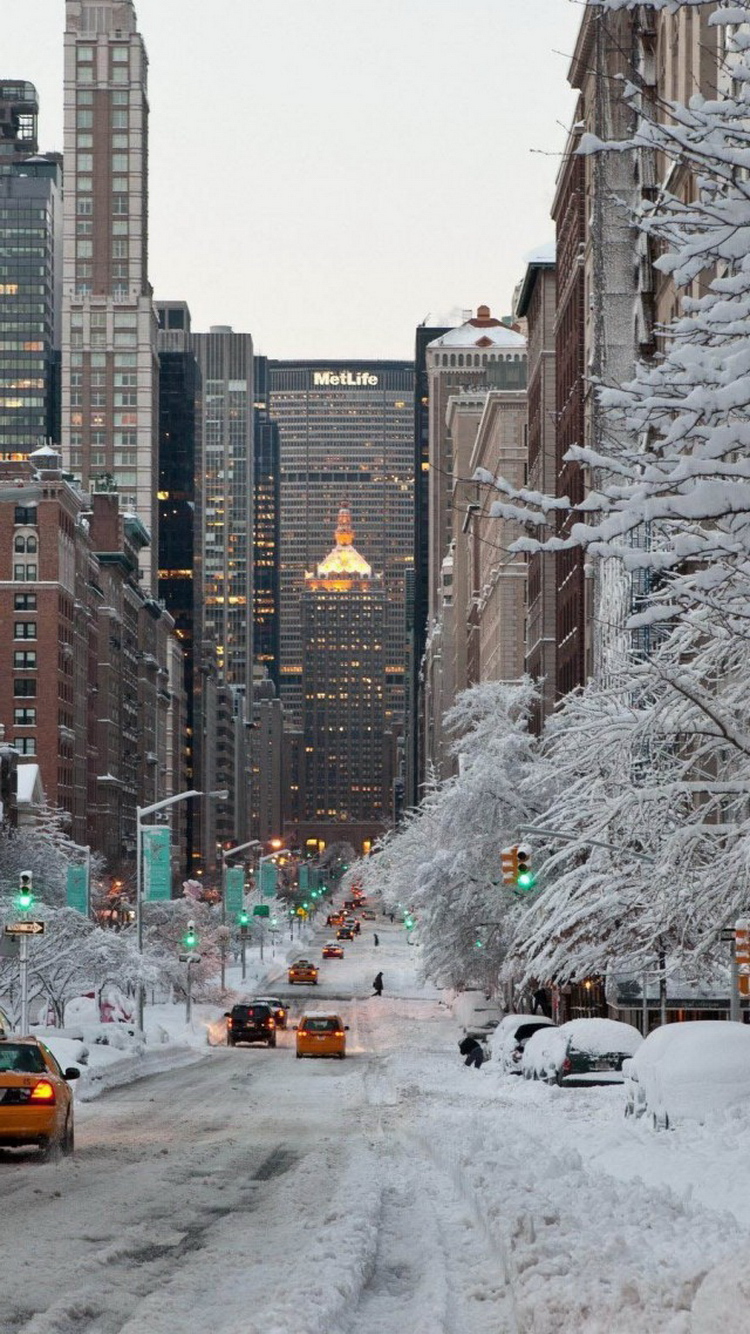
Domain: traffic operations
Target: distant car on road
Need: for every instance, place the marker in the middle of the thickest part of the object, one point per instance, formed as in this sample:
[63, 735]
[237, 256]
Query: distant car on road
[332, 950]
[369, 914]
[302, 970]
[279, 1008]
[345, 933]
[321, 1035]
[252, 1022]
[692, 1071]
[582, 1051]
[36, 1100]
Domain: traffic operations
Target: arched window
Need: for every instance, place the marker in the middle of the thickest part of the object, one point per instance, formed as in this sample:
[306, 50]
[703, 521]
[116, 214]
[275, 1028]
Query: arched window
[460, 358]
[31, 544]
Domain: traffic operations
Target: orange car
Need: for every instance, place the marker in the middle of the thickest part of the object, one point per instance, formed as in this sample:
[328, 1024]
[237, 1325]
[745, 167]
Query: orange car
[303, 971]
[321, 1035]
[36, 1100]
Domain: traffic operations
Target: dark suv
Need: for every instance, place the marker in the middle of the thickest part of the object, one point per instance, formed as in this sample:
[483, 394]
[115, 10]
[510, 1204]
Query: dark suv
[251, 1023]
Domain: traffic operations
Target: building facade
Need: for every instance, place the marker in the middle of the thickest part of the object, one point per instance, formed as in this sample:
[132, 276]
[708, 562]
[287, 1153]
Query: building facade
[109, 354]
[346, 431]
[344, 616]
[31, 223]
[266, 530]
[536, 304]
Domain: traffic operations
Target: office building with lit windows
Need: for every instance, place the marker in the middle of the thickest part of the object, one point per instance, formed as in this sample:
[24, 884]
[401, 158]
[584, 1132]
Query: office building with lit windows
[267, 493]
[30, 277]
[343, 622]
[346, 435]
[109, 356]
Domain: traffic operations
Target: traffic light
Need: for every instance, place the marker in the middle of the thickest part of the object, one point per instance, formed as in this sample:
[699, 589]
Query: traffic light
[525, 878]
[190, 938]
[25, 896]
[509, 861]
[243, 917]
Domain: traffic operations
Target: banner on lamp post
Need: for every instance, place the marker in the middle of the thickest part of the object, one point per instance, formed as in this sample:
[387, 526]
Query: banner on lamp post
[268, 875]
[234, 891]
[304, 878]
[77, 895]
[157, 864]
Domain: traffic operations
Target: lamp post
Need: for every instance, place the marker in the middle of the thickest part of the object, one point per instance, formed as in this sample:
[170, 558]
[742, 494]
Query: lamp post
[225, 855]
[140, 813]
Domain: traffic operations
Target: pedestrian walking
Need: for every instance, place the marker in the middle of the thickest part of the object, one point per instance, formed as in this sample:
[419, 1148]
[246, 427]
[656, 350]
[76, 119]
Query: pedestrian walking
[377, 986]
[473, 1050]
[375, 938]
[391, 915]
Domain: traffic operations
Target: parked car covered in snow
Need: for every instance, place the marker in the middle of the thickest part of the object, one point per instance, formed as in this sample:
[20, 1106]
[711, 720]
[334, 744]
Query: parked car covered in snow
[510, 1037]
[692, 1071]
[582, 1051]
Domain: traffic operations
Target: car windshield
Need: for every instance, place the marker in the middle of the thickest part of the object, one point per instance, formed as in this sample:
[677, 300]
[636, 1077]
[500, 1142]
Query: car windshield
[21, 1058]
[320, 1025]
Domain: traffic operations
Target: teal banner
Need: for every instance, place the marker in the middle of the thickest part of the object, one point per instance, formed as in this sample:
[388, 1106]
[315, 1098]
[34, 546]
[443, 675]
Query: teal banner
[78, 889]
[157, 864]
[234, 891]
[304, 878]
[268, 875]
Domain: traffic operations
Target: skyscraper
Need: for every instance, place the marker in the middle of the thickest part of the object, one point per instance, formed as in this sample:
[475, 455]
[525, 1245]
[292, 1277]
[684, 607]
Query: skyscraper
[267, 493]
[30, 277]
[343, 624]
[109, 363]
[347, 433]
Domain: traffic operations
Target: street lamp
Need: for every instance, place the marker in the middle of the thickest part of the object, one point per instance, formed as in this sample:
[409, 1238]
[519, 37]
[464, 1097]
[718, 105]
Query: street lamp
[225, 855]
[140, 813]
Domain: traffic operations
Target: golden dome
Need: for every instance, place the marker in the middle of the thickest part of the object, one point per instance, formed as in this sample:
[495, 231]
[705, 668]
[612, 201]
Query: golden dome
[344, 559]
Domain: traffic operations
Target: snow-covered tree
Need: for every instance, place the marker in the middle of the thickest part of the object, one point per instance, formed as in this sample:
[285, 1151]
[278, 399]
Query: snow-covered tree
[658, 763]
[444, 863]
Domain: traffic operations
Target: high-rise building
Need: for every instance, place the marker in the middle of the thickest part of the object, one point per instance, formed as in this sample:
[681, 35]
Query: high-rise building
[347, 433]
[109, 357]
[344, 671]
[224, 648]
[179, 404]
[30, 277]
[267, 493]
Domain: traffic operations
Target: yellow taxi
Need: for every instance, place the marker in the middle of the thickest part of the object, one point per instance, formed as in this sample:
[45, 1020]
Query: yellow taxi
[302, 970]
[321, 1035]
[36, 1100]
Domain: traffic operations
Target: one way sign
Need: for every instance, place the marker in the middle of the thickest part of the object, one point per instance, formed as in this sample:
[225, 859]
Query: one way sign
[25, 929]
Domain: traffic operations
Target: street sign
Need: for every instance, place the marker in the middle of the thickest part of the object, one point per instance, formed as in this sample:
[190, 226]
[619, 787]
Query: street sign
[25, 929]
[189, 958]
[261, 910]
[727, 934]
[78, 889]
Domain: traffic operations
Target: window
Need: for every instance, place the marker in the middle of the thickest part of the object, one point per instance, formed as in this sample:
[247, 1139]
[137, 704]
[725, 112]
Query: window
[24, 717]
[119, 249]
[86, 74]
[119, 162]
[21, 543]
[25, 514]
[24, 630]
[119, 74]
[120, 54]
[24, 573]
[25, 745]
[85, 120]
[85, 141]
[120, 205]
[85, 54]
[85, 162]
[84, 249]
[119, 185]
[85, 207]
[120, 141]
[85, 97]
[84, 185]
[24, 601]
[24, 660]
[24, 689]
[119, 99]
[119, 120]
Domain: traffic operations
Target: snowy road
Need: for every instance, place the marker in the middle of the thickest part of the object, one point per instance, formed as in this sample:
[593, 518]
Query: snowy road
[250, 1193]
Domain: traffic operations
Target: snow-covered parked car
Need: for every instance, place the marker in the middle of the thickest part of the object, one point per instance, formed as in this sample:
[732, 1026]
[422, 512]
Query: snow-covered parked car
[582, 1051]
[692, 1071]
[510, 1038]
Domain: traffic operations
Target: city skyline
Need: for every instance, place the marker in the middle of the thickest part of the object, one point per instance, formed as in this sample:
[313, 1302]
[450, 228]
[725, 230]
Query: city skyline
[381, 199]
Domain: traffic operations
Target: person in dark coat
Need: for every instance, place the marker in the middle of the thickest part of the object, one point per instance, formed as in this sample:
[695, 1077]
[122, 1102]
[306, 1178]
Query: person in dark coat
[473, 1050]
[375, 938]
[377, 986]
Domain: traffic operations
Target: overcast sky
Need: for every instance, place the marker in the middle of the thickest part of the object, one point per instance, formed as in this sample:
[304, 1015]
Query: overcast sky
[326, 173]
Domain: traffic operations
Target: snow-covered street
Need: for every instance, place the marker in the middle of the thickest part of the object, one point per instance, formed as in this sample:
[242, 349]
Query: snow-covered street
[245, 1192]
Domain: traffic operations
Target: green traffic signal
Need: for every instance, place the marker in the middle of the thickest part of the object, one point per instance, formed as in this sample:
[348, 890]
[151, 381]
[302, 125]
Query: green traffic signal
[190, 938]
[243, 917]
[525, 880]
[25, 895]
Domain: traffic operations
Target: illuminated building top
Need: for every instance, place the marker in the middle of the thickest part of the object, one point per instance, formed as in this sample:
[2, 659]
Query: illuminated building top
[343, 567]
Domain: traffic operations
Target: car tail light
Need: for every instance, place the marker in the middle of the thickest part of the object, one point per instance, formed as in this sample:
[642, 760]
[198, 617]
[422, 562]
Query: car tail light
[43, 1092]
[339, 1033]
[229, 1022]
[270, 1023]
[566, 1065]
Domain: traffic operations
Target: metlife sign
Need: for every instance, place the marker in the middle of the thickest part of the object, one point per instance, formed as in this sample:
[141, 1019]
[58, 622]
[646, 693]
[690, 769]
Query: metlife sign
[345, 380]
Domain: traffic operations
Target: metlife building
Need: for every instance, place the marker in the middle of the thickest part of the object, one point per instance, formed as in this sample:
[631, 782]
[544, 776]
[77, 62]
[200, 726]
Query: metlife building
[346, 438]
